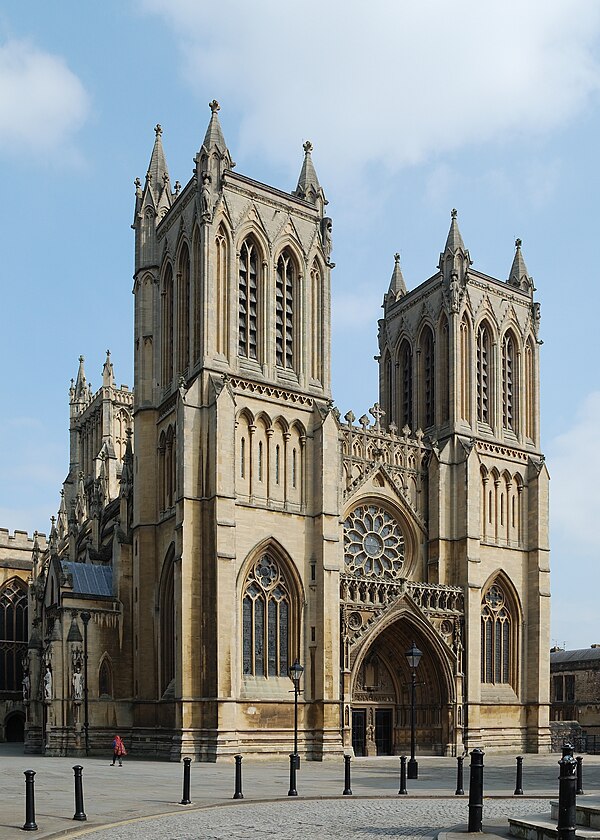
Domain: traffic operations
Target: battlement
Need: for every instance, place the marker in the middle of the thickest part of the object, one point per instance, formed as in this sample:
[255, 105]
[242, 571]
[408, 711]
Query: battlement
[20, 540]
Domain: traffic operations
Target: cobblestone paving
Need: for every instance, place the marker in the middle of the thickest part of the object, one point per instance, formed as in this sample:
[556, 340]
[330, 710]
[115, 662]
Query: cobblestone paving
[318, 820]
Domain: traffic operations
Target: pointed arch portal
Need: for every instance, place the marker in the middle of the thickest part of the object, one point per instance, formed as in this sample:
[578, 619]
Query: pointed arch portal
[380, 690]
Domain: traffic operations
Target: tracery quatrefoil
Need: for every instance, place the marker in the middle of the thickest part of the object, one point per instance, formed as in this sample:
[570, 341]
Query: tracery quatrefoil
[373, 543]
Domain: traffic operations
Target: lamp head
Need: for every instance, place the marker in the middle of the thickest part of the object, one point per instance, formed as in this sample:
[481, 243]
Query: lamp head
[414, 656]
[296, 671]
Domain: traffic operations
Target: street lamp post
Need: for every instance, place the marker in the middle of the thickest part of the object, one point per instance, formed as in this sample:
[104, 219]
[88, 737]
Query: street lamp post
[296, 671]
[85, 617]
[414, 657]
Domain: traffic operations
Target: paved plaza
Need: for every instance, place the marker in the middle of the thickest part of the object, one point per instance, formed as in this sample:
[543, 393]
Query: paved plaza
[143, 796]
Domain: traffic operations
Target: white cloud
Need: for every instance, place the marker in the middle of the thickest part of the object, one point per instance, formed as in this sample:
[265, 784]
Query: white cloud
[394, 83]
[42, 102]
[574, 464]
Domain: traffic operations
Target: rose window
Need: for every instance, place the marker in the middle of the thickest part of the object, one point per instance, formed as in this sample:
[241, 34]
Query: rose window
[373, 543]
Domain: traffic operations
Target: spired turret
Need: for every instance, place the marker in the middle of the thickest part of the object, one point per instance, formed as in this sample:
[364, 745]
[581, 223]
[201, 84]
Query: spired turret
[454, 259]
[519, 276]
[151, 204]
[212, 160]
[308, 187]
[397, 288]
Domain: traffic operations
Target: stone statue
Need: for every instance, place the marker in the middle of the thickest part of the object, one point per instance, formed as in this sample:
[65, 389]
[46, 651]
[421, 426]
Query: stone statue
[26, 686]
[326, 230]
[48, 684]
[205, 196]
[77, 684]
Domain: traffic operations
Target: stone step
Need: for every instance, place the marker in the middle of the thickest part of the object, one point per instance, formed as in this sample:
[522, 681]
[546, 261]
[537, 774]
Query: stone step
[542, 827]
[587, 811]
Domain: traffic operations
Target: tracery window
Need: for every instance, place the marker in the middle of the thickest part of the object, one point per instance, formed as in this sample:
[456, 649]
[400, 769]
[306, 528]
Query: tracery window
[105, 679]
[465, 372]
[13, 635]
[509, 383]
[266, 620]
[167, 623]
[222, 337]
[285, 283]
[496, 633]
[406, 386]
[316, 282]
[389, 390]
[529, 391]
[444, 380]
[373, 543]
[248, 301]
[483, 374]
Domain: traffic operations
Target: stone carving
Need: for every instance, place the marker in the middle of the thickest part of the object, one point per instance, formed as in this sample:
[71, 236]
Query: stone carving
[206, 197]
[48, 684]
[326, 237]
[77, 684]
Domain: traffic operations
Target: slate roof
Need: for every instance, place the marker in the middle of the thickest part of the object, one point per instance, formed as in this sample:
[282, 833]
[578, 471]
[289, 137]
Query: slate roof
[583, 655]
[89, 579]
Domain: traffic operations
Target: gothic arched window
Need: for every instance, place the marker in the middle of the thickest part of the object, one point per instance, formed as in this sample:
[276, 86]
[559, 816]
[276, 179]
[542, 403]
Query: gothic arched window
[198, 301]
[444, 373]
[484, 373]
[465, 371]
[167, 328]
[183, 311]
[266, 620]
[316, 283]
[405, 383]
[105, 683]
[248, 301]
[497, 626]
[427, 378]
[529, 390]
[510, 386]
[167, 624]
[13, 635]
[388, 389]
[285, 293]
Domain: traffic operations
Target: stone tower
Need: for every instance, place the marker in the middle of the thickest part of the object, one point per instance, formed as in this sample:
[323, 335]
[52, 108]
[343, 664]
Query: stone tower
[459, 361]
[235, 528]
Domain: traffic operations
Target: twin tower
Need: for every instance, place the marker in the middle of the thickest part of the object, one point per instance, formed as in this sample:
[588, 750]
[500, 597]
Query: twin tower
[258, 527]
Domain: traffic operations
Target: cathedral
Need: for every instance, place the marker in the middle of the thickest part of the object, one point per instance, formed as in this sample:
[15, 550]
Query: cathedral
[221, 521]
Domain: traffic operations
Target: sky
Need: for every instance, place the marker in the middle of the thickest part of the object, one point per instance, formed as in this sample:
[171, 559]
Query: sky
[412, 109]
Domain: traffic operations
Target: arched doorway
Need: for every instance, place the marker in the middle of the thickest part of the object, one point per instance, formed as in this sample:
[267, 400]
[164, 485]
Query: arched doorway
[14, 727]
[381, 694]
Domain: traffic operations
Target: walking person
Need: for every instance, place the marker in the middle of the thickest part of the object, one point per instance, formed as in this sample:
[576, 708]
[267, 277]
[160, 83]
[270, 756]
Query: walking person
[118, 750]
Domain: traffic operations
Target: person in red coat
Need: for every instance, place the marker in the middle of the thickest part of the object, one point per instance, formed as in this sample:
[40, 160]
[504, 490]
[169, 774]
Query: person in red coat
[118, 750]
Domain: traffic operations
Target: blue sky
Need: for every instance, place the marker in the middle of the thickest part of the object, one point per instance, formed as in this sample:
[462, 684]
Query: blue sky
[492, 108]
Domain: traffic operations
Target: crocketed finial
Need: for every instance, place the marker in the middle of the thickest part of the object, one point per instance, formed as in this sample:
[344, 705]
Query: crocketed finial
[214, 106]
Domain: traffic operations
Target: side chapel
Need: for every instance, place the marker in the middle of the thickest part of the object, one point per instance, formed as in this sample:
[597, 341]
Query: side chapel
[222, 520]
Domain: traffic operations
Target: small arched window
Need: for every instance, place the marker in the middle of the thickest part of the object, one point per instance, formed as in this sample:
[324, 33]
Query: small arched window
[266, 620]
[484, 374]
[248, 301]
[105, 683]
[13, 635]
[285, 293]
[497, 643]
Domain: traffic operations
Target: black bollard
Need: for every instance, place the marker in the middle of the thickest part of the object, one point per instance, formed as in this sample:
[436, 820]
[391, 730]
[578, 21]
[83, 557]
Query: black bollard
[519, 782]
[460, 791]
[238, 778]
[567, 749]
[30, 823]
[293, 765]
[186, 782]
[402, 790]
[347, 784]
[476, 791]
[566, 798]
[579, 761]
[79, 812]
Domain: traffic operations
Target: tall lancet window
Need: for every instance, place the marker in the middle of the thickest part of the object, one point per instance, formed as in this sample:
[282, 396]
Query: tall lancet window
[183, 311]
[13, 634]
[444, 380]
[266, 620]
[484, 373]
[285, 283]
[497, 642]
[222, 336]
[509, 383]
[167, 327]
[406, 385]
[529, 390]
[248, 301]
[316, 282]
[389, 389]
[428, 378]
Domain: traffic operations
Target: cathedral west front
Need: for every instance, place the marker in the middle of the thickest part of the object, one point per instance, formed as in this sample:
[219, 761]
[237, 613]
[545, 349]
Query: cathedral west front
[221, 520]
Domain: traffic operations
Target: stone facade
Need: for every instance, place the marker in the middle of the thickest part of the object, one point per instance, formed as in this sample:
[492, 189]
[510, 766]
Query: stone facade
[247, 525]
[575, 690]
[16, 552]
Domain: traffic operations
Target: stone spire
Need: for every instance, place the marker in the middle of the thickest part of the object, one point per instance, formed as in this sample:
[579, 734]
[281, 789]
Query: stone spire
[80, 393]
[397, 284]
[454, 259]
[157, 168]
[214, 141]
[108, 377]
[308, 184]
[519, 276]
